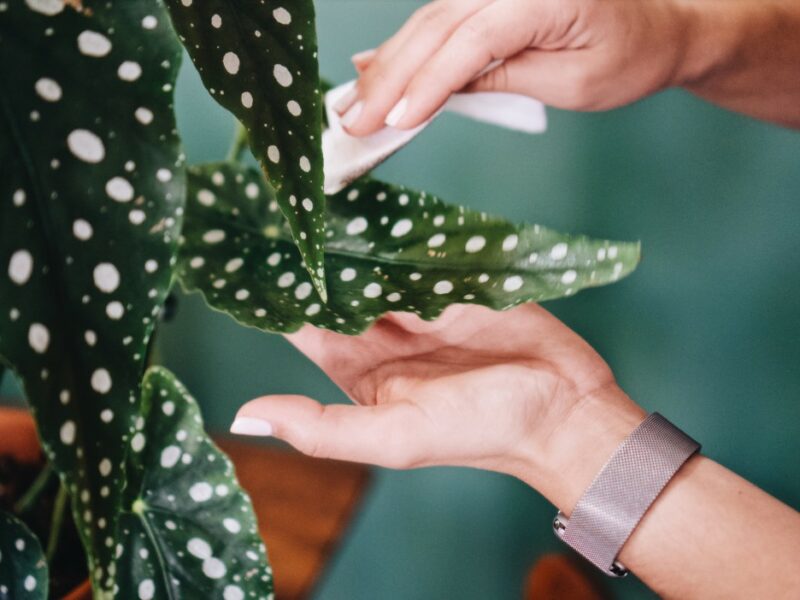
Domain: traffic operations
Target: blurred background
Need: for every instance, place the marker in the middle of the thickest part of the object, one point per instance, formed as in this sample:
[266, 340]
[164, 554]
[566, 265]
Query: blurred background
[707, 331]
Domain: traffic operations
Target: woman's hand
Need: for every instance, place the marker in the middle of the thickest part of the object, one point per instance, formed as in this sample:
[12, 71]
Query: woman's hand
[574, 54]
[514, 392]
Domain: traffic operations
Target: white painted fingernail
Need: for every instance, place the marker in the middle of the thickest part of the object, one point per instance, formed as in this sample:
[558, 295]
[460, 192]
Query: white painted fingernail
[397, 113]
[343, 103]
[352, 115]
[252, 427]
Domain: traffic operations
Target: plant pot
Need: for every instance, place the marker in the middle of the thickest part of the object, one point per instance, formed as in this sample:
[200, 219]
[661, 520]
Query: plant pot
[18, 436]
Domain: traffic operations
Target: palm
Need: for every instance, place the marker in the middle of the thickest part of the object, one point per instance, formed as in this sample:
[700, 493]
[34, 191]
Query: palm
[472, 367]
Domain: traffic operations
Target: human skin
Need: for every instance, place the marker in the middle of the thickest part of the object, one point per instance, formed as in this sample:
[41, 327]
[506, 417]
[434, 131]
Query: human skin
[519, 393]
[584, 55]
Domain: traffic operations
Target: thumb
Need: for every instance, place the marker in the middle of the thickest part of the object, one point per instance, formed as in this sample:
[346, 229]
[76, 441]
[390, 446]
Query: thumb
[390, 435]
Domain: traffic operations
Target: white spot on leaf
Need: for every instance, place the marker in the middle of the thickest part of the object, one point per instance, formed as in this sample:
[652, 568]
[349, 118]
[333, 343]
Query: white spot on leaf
[443, 287]
[106, 277]
[231, 62]
[46, 7]
[282, 16]
[39, 338]
[559, 251]
[101, 381]
[48, 89]
[513, 283]
[119, 189]
[67, 433]
[86, 146]
[170, 456]
[94, 44]
[282, 75]
[20, 267]
[402, 227]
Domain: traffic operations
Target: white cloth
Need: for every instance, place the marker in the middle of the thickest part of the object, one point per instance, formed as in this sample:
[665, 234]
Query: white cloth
[347, 157]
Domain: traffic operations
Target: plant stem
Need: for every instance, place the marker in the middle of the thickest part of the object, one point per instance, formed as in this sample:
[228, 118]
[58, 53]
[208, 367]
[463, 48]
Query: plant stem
[152, 358]
[57, 522]
[239, 145]
[31, 497]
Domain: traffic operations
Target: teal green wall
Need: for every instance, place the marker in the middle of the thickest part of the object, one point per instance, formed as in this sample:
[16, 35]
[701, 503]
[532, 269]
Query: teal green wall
[707, 331]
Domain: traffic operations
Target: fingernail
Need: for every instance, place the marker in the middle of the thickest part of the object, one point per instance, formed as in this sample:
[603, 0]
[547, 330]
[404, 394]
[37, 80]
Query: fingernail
[352, 115]
[346, 101]
[397, 113]
[251, 427]
[363, 56]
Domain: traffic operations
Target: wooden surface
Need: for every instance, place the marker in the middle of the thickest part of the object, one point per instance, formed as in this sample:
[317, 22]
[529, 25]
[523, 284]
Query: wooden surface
[304, 507]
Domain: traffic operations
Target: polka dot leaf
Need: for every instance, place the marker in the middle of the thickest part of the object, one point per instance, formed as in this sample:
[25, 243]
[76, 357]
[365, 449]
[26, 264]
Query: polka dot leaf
[23, 568]
[388, 249]
[259, 60]
[92, 186]
[189, 530]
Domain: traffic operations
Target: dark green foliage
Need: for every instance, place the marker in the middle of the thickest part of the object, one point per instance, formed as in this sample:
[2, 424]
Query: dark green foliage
[23, 568]
[92, 185]
[189, 530]
[389, 249]
[259, 60]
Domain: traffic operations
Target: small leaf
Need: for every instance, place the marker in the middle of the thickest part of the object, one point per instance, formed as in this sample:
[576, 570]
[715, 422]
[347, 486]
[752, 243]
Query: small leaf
[259, 60]
[389, 249]
[23, 568]
[92, 186]
[189, 530]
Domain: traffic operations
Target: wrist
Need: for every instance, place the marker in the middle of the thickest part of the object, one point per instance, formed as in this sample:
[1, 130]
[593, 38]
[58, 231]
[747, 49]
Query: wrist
[579, 446]
[713, 36]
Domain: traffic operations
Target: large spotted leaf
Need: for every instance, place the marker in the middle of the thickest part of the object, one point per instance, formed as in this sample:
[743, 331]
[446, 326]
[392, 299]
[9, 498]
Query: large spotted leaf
[189, 530]
[92, 186]
[23, 569]
[388, 249]
[259, 60]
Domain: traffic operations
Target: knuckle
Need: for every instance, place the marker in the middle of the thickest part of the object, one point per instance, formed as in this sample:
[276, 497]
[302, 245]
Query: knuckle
[430, 14]
[311, 446]
[497, 79]
[474, 32]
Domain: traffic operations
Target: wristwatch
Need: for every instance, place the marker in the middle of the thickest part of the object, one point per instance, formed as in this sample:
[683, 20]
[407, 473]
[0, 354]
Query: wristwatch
[623, 491]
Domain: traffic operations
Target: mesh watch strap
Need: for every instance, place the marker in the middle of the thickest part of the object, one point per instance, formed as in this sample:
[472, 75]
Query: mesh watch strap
[615, 502]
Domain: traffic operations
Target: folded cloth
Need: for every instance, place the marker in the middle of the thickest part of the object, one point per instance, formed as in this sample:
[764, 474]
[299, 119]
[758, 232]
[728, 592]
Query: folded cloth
[347, 157]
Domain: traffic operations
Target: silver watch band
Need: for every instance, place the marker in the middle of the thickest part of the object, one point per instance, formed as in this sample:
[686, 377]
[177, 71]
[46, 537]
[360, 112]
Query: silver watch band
[615, 502]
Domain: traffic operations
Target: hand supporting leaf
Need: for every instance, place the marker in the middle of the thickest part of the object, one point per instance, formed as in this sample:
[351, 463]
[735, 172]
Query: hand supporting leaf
[189, 530]
[92, 186]
[23, 568]
[259, 60]
[389, 249]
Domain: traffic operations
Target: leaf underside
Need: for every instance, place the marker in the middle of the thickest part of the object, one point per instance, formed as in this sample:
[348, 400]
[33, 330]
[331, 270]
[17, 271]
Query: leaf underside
[92, 186]
[23, 568]
[189, 530]
[388, 249]
[259, 60]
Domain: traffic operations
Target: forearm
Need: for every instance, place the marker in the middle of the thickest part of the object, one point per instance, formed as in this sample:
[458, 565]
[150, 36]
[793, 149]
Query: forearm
[710, 534]
[744, 55]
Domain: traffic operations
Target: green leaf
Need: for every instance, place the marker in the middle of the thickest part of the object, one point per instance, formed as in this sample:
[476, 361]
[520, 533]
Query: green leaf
[23, 568]
[389, 249]
[190, 530]
[92, 187]
[259, 60]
